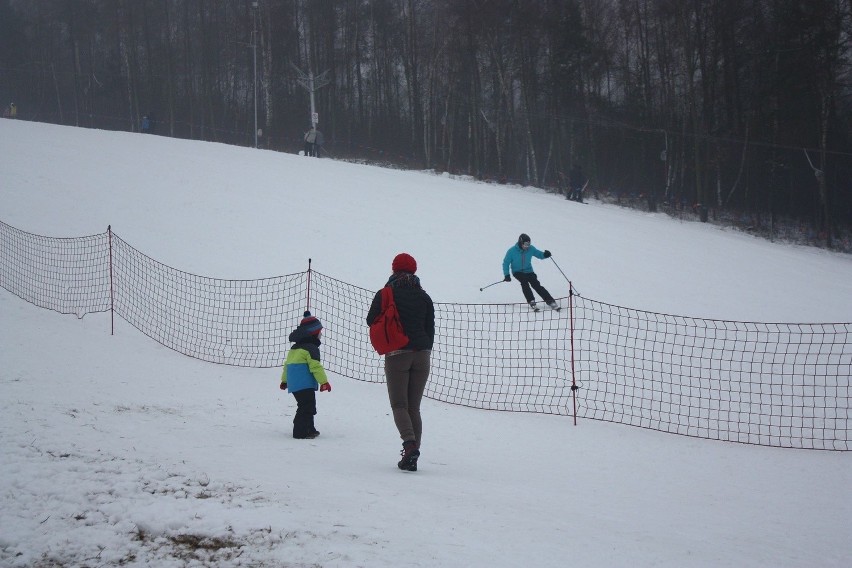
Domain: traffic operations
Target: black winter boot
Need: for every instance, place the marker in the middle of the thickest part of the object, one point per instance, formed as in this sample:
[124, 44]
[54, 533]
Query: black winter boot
[410, 452]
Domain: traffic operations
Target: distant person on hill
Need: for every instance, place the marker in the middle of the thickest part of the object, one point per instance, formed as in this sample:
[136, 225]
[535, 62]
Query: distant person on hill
[578, 184]
[407, 369]
[303, 374]
[13, 111]
[146, 125]
[519, 259]
[311, 141]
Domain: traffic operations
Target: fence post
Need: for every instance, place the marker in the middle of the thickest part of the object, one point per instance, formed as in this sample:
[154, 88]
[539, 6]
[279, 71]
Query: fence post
[308, 306]
[111, 296]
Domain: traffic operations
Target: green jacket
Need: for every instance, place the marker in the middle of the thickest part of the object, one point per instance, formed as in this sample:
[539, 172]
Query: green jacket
[301, 370]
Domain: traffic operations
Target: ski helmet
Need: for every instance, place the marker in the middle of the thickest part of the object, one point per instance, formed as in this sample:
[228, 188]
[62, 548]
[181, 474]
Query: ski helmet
[524, 238]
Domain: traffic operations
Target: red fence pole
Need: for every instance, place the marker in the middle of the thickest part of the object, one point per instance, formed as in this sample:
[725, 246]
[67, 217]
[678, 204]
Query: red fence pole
[573, 377]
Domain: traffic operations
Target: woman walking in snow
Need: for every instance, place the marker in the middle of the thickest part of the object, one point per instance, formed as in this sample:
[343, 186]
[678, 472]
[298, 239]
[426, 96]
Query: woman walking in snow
[407, 369]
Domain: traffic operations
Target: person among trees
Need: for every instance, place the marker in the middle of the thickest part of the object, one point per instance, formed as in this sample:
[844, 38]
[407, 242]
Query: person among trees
[407, 369]
[519, 259]
[146, 125]
[577, 183]
[13, 110]
[303, 374]
[311, 141]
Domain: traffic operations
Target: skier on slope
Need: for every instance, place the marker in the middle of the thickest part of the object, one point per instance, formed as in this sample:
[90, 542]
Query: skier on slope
[519, 259]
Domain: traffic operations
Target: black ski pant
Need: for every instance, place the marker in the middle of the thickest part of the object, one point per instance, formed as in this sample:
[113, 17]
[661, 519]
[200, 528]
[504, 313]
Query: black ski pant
[529, 282]
[303, 422]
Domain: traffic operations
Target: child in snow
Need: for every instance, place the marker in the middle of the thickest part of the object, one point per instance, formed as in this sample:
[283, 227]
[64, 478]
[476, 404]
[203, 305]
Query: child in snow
[519, 259]
[303, 374]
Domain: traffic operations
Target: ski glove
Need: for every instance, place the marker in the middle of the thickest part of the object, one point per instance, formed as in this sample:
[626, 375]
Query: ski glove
[325, 387]
[547, 254]
[283, 386]
[507, 278]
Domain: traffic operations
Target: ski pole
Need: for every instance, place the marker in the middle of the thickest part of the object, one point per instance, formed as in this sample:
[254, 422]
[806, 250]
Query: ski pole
[571, 286]
[490, 285]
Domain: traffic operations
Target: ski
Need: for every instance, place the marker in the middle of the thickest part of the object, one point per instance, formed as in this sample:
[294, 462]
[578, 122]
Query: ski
[555, 308]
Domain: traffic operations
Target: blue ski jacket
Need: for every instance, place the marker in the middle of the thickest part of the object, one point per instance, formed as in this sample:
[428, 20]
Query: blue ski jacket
[520, 260]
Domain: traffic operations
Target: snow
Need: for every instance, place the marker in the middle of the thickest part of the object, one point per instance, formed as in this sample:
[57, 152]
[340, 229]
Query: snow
[118, 451]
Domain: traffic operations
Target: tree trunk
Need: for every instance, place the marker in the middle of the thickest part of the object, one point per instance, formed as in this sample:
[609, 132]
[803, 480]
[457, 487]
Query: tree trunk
[170, 74]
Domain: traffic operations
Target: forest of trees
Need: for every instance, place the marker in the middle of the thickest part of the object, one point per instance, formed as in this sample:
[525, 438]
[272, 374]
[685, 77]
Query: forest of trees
[737, 106]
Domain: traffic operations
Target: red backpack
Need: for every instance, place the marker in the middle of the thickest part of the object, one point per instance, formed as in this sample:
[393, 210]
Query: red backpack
[386, 333]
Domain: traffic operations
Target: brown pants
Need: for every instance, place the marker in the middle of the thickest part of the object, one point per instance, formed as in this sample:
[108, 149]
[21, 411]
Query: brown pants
[407, 373]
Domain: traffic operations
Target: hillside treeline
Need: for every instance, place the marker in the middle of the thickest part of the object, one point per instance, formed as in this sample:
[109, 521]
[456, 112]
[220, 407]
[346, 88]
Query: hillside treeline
[735, 106]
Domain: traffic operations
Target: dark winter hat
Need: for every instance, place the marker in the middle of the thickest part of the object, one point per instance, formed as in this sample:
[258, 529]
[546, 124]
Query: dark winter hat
[310, 324]
[404, 262]
[524, 238]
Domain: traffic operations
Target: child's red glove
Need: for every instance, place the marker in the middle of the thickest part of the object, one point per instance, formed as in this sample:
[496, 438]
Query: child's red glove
[325, 387]
[283, 386]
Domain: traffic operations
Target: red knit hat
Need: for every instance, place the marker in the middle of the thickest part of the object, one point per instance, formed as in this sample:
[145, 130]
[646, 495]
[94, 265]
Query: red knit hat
[404, 262]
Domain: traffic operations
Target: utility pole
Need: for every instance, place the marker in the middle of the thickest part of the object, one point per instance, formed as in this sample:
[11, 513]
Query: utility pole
[254, 49]
[312, 84]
